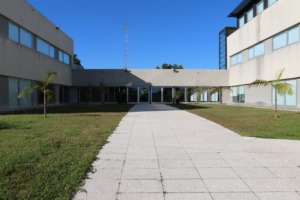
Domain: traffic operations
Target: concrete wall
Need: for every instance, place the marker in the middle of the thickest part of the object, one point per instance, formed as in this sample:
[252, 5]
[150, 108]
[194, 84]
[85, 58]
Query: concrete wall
[22, 13]
[21, 62]
[280, 16]
[153, 77]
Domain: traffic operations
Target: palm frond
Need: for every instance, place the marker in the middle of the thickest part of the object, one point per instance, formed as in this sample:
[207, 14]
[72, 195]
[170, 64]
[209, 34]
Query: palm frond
[278, 76]
[49, 77]
[259, 82]
[282, 88]
[28, 90]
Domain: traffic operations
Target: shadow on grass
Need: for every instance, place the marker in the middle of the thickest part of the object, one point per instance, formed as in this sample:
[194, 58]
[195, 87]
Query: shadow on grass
[5, 125]
[69, 109]
[190, 107]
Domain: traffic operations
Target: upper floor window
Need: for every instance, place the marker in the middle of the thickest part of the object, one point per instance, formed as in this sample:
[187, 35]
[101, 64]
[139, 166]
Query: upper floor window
[286, 38]
[241, 21]
[250, 15]
[26, 38]
[270, 2]
[256, 50]
[45, 48]
[20, 35]
[237, 58]
[63, 57]
[260, 7]
[13, 32]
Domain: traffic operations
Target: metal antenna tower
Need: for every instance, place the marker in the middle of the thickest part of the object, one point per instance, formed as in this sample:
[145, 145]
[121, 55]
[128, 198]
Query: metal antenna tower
[126, 45]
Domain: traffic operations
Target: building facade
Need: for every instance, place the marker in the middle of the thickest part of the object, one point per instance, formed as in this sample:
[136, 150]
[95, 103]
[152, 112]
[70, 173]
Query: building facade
[258, 48]
[266, 41]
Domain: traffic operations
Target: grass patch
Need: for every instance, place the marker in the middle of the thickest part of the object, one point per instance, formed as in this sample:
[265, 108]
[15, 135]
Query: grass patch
[49, 158]
[247, 121]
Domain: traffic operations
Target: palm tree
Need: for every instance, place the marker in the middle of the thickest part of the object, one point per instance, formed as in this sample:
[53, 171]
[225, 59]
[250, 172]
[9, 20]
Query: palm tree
[43, 87]
[280, 87]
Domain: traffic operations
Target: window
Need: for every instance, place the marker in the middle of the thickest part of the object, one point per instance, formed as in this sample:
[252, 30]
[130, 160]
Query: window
[45, 48]
[156, 94]
[13, 32]
[260, 7]
[26, 38]
[250, 15]
[15, 87]
[167, 94]
[270, 2]
[237, 58]
[293, 35]
[64, 57]
[286, 38]
[256, 50]
[241, 21]
[238, 94]
[279, 41]
[286, 100]
[132, 95]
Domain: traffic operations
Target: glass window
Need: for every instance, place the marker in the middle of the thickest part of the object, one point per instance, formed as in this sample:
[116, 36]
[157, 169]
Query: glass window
[42, 46]
[26, 38]
[13, 92]
[260, 7]
[238, 94]
[96, 94]
[13, 32]
[237, 58]
[251, 53]
[203, 96]
[241, 21]
[290, 100]
[250, 15]
[66, 59]
[293, 35]
[156, 94]
[132, 95]
[279, 40]
[233, 60]
[45, 48]
[259, 49]
[143, 92]
[270, 2]
[167, 94]
[51, 51]
[27, 99]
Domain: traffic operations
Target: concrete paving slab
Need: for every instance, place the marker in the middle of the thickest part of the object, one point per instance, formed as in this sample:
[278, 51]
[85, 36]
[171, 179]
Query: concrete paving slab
[217, 173]
[141, 174]
[185, 173]
[184, 186]
[278, 196]
[141, 186]
[226, 185]
[158, 152]
[141, 196]
[188, 196]
[235, 196]
[254, 173]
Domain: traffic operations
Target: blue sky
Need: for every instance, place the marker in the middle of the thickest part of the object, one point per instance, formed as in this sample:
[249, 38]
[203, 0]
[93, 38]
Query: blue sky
[160, 31]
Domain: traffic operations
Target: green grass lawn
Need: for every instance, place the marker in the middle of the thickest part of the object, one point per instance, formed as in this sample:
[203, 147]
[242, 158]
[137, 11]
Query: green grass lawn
[48, 158]
[253, 122]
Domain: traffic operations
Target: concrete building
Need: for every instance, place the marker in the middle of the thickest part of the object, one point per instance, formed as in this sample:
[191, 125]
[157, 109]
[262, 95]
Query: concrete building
[260, 45]
[266, 41]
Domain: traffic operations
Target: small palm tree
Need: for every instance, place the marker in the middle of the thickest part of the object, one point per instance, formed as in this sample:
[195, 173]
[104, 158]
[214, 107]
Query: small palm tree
[280, 87]
[43, 87]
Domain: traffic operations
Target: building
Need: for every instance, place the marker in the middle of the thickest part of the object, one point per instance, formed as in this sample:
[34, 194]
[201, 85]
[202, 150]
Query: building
[266, 41]
[260, 45]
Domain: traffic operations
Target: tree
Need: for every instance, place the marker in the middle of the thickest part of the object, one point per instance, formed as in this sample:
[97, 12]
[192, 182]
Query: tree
[169, 66]
[280, 87]
[43, 87]
[76, 60]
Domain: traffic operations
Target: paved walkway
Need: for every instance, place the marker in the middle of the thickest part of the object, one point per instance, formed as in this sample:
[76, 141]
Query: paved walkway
[161, 153]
